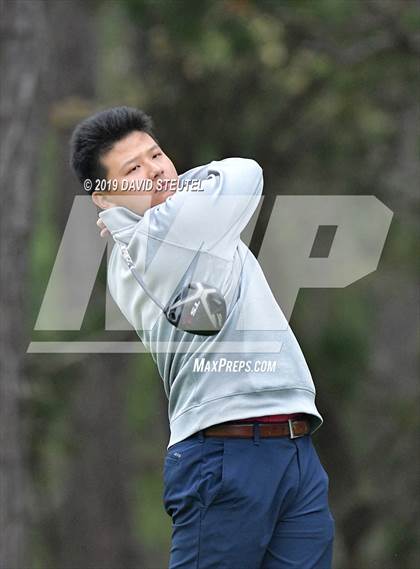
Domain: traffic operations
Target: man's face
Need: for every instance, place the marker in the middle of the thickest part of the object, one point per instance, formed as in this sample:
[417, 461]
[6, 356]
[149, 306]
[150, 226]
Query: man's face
[133, 164]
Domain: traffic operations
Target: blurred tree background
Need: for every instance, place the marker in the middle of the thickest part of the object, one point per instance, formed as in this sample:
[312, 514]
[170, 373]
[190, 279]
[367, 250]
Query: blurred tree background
[325, 96]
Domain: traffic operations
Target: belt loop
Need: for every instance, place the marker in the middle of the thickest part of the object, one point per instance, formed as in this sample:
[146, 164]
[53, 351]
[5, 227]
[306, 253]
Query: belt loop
[201, 436]
[256, 433]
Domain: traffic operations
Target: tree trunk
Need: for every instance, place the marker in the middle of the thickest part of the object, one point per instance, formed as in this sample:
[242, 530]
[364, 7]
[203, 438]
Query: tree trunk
[21, 65]
[95, 518]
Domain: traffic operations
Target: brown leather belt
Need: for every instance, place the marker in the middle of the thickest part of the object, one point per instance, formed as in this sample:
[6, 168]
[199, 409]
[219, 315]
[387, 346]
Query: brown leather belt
[293, 428]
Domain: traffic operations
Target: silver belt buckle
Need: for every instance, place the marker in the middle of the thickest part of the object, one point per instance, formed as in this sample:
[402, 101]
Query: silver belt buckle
[292, 434]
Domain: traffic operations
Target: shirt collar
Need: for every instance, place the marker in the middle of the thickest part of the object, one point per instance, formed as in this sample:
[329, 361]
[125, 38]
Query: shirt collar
[119, 218]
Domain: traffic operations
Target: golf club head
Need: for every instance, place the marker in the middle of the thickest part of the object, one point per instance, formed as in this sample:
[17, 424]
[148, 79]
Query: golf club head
[198, 309]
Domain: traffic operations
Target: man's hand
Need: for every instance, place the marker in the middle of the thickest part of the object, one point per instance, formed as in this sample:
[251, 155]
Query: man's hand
[102, 227]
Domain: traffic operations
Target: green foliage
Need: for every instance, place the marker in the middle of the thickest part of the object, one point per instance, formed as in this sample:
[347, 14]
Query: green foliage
[143, 393]
[151, 522]
[345, 345]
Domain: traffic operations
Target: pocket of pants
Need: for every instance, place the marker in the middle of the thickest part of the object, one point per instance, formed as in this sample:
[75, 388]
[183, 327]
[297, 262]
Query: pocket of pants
[176, 451]
[212, 472]
[180, 470]
[193, 476]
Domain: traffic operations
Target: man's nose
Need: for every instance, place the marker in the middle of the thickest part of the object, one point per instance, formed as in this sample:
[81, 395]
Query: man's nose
[154, 171]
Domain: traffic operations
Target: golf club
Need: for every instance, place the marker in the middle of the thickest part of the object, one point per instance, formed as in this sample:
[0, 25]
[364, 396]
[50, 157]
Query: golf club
[198, 309]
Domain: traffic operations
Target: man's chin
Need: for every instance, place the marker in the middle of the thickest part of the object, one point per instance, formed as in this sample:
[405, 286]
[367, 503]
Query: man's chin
[161, 197]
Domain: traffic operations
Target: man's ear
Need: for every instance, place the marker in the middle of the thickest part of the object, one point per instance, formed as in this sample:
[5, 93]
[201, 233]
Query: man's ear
[101, 200]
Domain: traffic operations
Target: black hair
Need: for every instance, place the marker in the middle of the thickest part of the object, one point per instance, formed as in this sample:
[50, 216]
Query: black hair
[97, 134]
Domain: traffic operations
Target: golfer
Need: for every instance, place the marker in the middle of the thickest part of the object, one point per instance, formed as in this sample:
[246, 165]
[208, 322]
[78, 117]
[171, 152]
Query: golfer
[243, 483]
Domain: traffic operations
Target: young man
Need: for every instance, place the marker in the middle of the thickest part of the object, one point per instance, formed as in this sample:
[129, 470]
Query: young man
[242, 480]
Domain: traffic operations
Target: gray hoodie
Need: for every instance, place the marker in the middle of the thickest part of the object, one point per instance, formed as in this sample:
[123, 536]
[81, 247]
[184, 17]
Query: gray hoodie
[254, 365]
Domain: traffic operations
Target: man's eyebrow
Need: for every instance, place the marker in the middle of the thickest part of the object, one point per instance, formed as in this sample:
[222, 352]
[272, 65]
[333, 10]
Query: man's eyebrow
[139, 155]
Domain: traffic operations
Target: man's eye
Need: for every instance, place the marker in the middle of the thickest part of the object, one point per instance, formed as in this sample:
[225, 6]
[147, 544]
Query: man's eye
[133, 168]
[157, 154]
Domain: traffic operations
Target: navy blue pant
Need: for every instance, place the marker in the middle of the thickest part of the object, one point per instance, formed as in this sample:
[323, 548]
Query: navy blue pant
[254, 503]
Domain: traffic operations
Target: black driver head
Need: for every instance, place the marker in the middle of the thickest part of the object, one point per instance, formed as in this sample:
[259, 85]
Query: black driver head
[199, 309]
